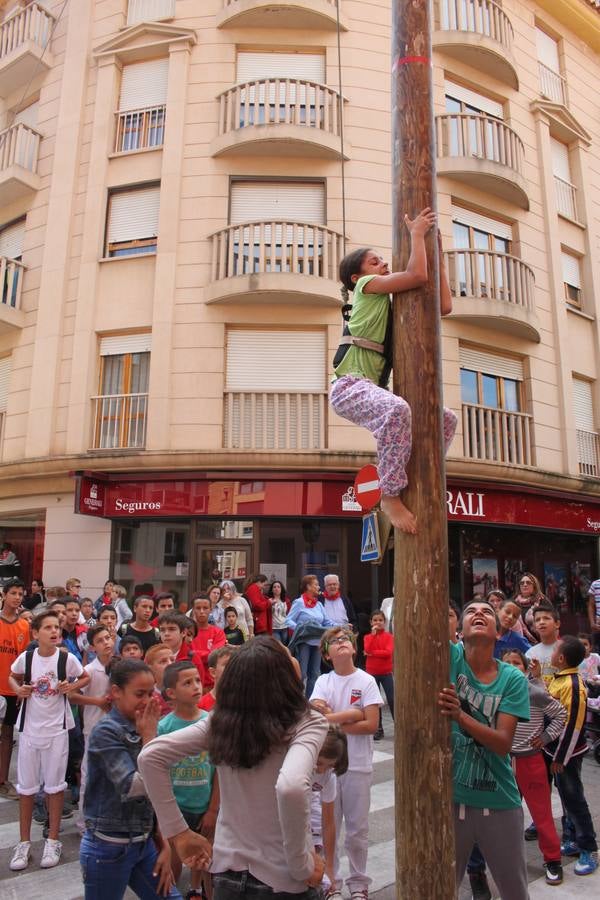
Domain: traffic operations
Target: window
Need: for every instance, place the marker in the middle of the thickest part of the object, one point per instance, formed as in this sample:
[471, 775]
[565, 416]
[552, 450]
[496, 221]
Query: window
[275, 389]
[121, 406]
[11, 250]
[472, 129]
[552, 84]
[302, 67]
[5, 367]
[142, 106]
[481, 271]
[149, 11]
[571, 269]
[132, 221]
[588, 441]
[566, 200]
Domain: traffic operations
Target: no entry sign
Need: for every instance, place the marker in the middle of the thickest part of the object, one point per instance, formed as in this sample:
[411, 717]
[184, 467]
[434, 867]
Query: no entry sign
[366, 486]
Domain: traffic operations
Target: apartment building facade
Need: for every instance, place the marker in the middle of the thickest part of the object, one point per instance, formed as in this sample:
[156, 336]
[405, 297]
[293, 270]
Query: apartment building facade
[178, 182]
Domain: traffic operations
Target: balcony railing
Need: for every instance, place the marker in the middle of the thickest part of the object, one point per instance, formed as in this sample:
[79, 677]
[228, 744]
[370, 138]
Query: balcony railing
[120, 421]
[19, 146]
[11, 282]
[34, 23]
[483, 17]
[275, 421]
[260, 247]
[149, 11]
[481, 137]
[497, 436]
[487, 275]
[588, 452]
[140, 129]
[552, 84]
[566, 198]
[280, 101]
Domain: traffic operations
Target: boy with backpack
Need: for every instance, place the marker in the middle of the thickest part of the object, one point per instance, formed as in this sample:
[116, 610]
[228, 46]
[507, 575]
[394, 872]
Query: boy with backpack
[42, 678]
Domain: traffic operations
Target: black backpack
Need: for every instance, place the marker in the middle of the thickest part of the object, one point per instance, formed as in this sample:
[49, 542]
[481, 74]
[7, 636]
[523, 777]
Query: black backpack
[61, 674]
[386, 349]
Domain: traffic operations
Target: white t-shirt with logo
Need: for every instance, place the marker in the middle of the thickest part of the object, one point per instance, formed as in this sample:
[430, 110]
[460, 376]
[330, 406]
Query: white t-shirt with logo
[543, 653]
[323, 790]
[344, 692]
[99, 686]
[46, 710]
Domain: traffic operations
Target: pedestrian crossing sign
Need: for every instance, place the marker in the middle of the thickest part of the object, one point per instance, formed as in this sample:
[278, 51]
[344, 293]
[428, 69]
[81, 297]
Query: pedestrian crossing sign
[370, 546]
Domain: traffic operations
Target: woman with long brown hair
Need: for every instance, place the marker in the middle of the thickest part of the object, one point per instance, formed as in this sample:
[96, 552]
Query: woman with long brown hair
[528, 597]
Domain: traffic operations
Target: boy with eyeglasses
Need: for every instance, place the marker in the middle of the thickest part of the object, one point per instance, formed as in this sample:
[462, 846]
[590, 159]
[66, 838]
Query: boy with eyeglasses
[350, 698]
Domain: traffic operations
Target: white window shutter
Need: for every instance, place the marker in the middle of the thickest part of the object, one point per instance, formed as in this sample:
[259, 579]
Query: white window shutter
[28, 116]
[270, 201]
[471, 98]
[149, 10]
[12, 238]
[482, 223]
[144, 84]
[571, 269]
[119, 344]
[583, 406]
[133, 215]
[304, 66]
[276, 361]
[547, 50]
[560, 160]
[5, 367]
[491, 364]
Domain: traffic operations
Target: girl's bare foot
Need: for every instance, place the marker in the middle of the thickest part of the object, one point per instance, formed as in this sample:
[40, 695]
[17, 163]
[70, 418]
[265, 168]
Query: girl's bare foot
[398, 514]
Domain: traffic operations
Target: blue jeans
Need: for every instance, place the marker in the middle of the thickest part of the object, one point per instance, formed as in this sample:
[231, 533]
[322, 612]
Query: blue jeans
[577, 823]
[387, 683]
[310, 665]
[236, 885]
[109, 869]
[282, 635]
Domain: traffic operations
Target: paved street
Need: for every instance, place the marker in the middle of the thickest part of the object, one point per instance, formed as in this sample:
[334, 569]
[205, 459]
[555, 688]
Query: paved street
[64, 882]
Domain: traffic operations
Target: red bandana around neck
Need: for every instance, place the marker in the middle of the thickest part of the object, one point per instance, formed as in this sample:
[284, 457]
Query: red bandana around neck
[336, 596]
[309, 601]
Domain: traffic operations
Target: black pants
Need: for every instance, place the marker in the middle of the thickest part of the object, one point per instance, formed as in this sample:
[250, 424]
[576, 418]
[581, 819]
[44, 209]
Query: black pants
[577, 822]
[235, 885]
[387, 683]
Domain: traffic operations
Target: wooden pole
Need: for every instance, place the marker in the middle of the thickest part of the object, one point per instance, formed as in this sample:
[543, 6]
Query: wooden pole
[424, 828]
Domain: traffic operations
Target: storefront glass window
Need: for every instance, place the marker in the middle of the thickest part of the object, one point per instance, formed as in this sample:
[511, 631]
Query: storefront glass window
[22, 547]
[149, 557]
[224, 530]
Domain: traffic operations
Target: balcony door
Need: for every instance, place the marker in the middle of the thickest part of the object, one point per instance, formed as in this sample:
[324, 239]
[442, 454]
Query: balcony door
[286, 93]
[472, 129]
[481, 271]
[121, 406]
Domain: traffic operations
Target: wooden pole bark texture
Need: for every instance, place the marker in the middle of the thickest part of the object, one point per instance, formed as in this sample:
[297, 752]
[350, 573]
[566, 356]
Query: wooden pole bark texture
[424, 830]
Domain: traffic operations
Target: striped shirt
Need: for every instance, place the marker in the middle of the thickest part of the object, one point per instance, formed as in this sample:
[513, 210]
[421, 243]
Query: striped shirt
[594, 592]
[567, 686]
[544, 708]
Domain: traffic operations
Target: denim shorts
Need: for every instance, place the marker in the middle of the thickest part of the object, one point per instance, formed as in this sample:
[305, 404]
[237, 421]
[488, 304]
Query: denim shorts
[235, 885]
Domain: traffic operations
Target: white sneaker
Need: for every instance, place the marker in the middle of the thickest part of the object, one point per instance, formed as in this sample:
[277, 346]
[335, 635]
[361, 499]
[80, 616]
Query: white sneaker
[20, 857]
[51, 854]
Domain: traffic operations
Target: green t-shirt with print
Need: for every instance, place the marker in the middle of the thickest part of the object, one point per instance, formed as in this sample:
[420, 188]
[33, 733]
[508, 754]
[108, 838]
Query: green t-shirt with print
[368, 320]
[482, 778]
[192, 776]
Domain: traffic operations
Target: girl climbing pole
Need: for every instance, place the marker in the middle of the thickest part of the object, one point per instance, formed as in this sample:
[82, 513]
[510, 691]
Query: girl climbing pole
[362, 364]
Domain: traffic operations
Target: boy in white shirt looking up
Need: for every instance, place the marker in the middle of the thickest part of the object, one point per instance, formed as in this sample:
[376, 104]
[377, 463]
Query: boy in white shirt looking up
[350, 698]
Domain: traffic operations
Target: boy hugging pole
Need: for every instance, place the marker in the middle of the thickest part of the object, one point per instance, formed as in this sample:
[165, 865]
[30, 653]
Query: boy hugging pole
[424, 829]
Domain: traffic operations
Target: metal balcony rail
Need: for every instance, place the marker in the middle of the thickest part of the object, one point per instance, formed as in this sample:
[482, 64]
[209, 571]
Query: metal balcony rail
[489, 275]
[479, 136]
[552, 84]
[34, 23]
[275, 421]
[477, 16]
[258, 247]
[150, 10]
[120, 421]
[588, 452]
[566, 198]
[140, 129]
[11, 282]
[280, 101]
[19, 146]
[496, 435]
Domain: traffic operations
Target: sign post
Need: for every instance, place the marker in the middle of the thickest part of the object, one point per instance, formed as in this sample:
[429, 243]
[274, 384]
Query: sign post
[424, 830]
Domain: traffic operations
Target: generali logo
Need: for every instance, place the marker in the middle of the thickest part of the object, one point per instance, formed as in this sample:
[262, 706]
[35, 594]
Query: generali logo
[92, 501]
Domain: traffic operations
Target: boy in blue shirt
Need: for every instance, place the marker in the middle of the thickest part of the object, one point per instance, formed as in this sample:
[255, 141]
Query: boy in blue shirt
[508, 616]
[485, 700]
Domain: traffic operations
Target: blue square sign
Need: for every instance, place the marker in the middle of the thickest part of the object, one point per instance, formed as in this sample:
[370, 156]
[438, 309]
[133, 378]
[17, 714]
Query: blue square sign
[370, 547]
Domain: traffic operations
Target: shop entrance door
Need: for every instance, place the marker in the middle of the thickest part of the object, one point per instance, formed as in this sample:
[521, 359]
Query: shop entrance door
[225, 561]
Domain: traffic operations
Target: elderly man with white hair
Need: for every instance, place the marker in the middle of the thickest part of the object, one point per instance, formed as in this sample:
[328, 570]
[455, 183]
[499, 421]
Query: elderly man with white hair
[337, 608]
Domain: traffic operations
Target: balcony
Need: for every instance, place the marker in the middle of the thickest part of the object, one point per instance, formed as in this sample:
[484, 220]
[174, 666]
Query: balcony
[275, 262]
[19, 147]
[140, 129]
[24, 37]
[493, 290]
[11, 283]
[303, 14]
[283, 116]
[497, 436]
[275, 421]
[484, 153]
[566, 198]
[150, 11]
[588, 453]
[552, 85]
[479, 33]
[120, 421]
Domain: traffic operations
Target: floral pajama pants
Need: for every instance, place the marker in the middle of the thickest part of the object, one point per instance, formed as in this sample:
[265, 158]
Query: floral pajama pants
[388, 418]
